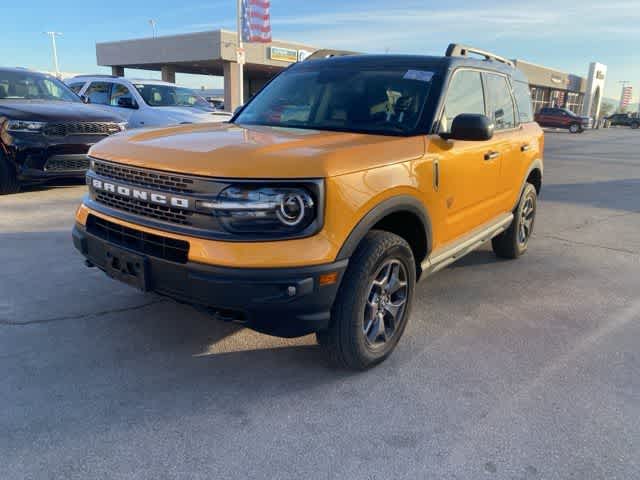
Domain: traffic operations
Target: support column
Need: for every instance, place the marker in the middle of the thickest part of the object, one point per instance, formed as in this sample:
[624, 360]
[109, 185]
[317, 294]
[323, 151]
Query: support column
[231, 94]
[168, 74]
[117, 71]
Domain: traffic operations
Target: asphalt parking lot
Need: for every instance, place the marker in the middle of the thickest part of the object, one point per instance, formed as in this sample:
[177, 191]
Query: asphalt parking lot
[522, 369]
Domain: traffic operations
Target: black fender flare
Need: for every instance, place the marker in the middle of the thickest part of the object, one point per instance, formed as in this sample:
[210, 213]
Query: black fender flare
[400, 203]
[535, 165]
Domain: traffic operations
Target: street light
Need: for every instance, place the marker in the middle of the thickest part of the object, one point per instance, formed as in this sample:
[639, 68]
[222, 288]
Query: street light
[152, 22]
[53, 36]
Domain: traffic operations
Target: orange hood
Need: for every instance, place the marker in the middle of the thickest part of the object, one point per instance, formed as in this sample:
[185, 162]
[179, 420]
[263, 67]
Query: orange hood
[231, 151]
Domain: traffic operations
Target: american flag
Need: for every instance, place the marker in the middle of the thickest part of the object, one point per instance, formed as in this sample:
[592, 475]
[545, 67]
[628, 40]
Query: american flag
[256, 21]
[625, 97]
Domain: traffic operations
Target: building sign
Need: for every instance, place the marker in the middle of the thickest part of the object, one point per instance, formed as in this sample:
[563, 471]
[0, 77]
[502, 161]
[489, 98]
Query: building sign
[283, 54]
[557, 79]
[600, 75]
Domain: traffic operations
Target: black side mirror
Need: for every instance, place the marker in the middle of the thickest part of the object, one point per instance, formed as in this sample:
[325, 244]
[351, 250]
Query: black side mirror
[85, 99]
[471, 127]
[127, 102]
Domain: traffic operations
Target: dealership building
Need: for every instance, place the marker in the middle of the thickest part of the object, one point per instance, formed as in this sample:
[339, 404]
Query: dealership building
[214, 53]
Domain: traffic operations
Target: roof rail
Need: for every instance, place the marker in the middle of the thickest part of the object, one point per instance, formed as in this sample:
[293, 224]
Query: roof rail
[459, 50]
[326, 53]
[98, 75]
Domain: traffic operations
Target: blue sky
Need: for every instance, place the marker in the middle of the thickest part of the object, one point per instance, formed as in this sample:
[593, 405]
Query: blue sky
[551, 33]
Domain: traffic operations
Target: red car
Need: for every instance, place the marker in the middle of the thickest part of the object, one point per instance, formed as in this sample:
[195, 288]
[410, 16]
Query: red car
[562, 118]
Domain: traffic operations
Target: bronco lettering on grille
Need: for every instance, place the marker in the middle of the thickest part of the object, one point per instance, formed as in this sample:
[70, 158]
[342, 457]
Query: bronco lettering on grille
[139, 194]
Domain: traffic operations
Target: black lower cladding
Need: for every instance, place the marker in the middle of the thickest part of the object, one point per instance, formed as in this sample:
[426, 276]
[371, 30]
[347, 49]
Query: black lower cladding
[286, 302]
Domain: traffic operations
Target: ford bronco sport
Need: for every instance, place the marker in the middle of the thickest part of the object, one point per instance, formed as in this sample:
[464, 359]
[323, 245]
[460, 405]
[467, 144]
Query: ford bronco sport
[326, 197]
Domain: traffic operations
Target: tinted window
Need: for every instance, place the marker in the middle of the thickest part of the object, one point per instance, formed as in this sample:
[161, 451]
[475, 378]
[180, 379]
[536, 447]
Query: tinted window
[501, 108]
[323, 97]
[465, 95]
[159, 95]
[523, 100]
[117, 92]
[99, 92]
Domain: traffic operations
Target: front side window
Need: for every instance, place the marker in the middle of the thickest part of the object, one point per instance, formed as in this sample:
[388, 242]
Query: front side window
[465, 95]
[501, 108]
[158, 95]
[523, 100]
[15, 85]
[99, 92]
[369, 100]
[119, 92]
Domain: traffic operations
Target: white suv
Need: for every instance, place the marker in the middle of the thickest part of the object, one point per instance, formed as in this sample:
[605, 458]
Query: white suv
[146, 103]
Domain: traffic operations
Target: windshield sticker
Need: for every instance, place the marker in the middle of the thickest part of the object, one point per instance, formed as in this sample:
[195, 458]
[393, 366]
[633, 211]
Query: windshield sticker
[419, 75]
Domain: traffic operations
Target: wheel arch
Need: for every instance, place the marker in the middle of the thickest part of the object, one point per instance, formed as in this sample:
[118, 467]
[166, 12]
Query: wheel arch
[403, 215]
[534, 175]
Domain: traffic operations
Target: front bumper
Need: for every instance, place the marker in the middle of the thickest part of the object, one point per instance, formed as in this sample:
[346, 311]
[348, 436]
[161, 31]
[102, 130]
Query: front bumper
[286, 302]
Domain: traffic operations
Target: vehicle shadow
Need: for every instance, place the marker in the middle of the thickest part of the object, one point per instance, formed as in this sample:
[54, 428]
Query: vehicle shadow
[610, 194]
[51, 185]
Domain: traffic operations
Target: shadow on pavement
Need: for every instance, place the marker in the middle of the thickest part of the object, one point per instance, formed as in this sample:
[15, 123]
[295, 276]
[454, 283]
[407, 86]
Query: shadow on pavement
[610, 194]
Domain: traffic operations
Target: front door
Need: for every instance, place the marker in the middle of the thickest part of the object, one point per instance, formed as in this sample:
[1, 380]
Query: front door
[468, 171]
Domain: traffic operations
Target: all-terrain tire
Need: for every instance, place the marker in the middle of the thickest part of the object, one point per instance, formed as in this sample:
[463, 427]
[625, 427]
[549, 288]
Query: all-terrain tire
[514, 241]
[346, 342]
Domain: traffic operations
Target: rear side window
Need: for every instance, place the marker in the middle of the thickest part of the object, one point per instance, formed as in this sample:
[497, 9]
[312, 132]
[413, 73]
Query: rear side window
[465, 95]
[99, 92]
[501, 108]
[523, 100]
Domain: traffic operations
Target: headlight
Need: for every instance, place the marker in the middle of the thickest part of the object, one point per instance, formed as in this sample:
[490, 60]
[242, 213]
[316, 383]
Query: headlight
[25, 126]
[259, 209]
[123, 126]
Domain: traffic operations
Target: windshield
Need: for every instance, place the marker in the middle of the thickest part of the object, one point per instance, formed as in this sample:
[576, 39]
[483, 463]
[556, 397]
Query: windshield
[156, 95]
[31, 86]
[381, 101]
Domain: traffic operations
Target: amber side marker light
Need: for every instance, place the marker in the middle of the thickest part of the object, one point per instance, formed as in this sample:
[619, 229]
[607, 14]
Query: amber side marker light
[328, 278]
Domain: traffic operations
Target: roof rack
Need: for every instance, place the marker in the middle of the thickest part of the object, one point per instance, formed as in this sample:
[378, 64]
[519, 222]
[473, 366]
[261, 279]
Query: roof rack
[326, 53]
[459, 50]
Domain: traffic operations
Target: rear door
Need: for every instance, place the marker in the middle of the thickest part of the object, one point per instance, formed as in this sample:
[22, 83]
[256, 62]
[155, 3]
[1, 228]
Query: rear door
[468, 171]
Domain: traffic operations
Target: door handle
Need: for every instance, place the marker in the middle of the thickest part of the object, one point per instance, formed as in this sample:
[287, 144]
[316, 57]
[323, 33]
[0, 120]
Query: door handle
[525, 148]
[491, 155]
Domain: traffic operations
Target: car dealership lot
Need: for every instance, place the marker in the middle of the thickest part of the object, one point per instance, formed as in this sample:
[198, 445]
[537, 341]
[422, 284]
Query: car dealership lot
[508, 370]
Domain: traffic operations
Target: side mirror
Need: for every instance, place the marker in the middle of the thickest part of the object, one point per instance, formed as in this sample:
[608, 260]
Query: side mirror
[127, 102]
[471, 127]
[85, 99]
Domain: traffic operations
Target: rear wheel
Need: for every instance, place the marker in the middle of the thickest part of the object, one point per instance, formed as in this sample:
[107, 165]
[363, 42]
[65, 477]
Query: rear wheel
[635, 125]
[514, 241]
[374, 302]
[8, 181]
[575, 128]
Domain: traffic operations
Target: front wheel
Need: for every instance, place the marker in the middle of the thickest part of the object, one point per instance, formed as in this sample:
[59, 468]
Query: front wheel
[635, 125]
[575, 128]
[514, 241]
[374, 302]
[8, 180]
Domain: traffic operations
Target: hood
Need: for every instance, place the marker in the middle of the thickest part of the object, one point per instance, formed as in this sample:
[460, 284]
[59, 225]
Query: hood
[191, 115]
[232, 151]
[55, 111]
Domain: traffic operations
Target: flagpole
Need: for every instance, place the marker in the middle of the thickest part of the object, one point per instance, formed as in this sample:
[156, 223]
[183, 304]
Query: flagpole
[238, 54]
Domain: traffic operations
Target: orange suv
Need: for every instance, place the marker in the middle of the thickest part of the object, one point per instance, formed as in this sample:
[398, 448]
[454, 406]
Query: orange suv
[326, 198]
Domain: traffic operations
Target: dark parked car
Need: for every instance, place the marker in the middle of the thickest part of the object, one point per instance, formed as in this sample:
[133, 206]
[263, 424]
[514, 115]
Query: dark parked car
[562, 118]
[623, 120]
[45, 129]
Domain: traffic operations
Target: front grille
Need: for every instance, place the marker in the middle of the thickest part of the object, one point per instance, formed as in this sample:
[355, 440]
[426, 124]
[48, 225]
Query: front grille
[62, 163]
[140, 242]
[81, 128]
[145, 178]
[146, 209]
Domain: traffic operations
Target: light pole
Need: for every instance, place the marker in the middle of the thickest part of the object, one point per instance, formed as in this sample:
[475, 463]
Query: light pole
[53, 36]
[152, 22]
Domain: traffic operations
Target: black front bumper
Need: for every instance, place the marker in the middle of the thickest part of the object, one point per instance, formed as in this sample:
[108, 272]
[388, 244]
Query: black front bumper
[286, 302]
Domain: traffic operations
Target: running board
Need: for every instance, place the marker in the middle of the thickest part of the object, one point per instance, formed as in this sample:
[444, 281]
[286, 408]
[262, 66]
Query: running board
[447, 255]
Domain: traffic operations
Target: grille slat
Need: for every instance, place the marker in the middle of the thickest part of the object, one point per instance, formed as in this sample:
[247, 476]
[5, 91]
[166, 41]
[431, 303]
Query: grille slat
[81, 128]
[146, 209]
[62, 163]
[148, 179]
[138, 241]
